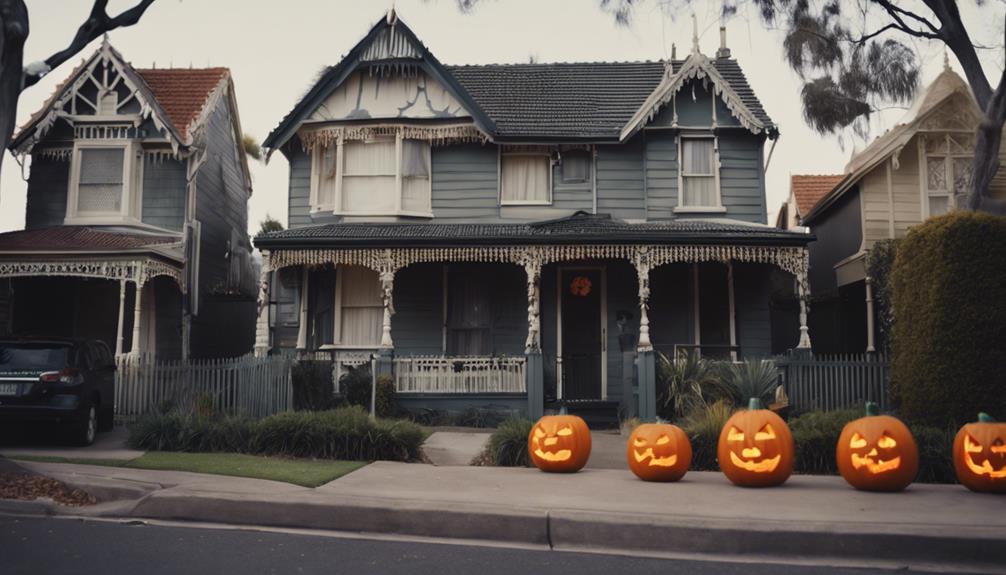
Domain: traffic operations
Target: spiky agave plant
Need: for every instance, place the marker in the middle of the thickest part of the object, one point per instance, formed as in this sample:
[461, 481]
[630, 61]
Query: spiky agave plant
[752, 378]
[687, 383]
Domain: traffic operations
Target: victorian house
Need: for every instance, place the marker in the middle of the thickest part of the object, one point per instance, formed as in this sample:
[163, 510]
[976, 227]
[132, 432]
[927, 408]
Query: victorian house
[135, 232]
[525, 234]
[919, 168]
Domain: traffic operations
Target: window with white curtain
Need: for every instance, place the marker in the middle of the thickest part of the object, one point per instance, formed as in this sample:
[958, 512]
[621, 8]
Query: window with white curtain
[698, 173]
[361, 307]
[525, 178]
[105, 182]
[363, 177]
[948, 178]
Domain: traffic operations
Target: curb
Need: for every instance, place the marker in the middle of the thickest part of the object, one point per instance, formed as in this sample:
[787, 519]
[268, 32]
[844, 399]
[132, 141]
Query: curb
[865, 544]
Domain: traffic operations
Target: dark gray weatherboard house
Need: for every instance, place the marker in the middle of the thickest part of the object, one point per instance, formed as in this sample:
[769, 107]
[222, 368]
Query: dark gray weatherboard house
[501, 234]
[136, 224]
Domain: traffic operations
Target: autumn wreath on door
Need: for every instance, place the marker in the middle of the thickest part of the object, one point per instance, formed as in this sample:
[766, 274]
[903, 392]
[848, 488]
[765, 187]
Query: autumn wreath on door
[580, 286]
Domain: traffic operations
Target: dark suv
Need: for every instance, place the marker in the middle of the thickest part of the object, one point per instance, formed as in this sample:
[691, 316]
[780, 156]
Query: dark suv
[60, 380]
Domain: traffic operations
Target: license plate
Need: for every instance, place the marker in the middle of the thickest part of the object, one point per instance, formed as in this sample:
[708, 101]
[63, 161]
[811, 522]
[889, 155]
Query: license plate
[8, 388]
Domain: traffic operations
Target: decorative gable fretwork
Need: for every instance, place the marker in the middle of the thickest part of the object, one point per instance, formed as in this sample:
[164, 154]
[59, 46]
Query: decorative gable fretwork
[138, 271]
[391, 44]
[435, 135]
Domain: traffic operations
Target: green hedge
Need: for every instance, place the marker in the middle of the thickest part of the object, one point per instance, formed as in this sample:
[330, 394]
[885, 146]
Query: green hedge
[507, 446]
[949, 285]
[344, 433]
[815, 436]
[879, 265]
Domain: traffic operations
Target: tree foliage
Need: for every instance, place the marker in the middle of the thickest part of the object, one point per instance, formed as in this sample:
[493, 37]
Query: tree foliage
[270, 224]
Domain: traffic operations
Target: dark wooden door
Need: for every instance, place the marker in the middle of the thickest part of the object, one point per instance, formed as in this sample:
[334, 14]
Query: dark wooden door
[581, 334]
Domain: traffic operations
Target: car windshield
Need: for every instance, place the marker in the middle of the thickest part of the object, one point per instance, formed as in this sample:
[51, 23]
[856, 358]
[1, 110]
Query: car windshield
[32, 357]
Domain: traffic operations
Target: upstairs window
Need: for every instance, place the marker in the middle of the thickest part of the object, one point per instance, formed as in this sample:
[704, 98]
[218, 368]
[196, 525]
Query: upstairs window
[576, 166]
[699, 173]
[525, 178]
[382, 176]
[948, 172]
[105, 181]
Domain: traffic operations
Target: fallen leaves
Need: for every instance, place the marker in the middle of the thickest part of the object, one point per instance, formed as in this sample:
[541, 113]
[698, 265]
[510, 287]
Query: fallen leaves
[30, 487]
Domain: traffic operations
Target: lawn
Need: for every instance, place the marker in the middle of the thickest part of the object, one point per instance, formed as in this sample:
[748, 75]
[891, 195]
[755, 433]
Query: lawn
[305, 472]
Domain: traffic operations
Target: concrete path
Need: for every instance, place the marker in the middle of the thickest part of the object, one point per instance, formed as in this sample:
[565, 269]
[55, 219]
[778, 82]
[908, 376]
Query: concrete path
[810, 518]
[607, 450]
[455, 447]
[107, 445]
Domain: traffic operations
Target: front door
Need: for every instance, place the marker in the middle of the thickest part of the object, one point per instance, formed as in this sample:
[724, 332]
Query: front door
[582, 340]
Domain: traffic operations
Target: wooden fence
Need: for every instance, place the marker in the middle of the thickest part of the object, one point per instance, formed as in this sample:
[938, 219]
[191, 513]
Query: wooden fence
[438, 374]
[256, 387]
[830, 382]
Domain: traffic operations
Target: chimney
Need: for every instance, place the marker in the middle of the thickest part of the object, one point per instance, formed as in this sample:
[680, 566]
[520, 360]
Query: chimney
[723, 52]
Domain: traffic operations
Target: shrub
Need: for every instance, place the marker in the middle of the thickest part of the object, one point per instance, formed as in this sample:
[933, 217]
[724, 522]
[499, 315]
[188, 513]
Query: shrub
[703, 427]
[312, 385]
[816, 436]
[948, 286]
[752, 378]
[345, 433]
[687, 383]
[356, 384]
[507, 446]
[879, 264]
[935, 454]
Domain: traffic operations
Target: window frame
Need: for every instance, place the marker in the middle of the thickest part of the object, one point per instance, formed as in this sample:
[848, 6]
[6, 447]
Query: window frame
[718, 206]
[586, 154]
[499, 177]
[338, 208]
[948, 158]
[131, 203]
[337, 337]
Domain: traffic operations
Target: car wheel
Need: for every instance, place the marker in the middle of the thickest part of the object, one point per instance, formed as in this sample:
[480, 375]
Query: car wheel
[106, 418]
[86, 429]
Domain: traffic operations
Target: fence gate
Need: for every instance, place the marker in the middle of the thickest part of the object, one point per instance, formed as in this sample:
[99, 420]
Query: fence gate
[831, 382]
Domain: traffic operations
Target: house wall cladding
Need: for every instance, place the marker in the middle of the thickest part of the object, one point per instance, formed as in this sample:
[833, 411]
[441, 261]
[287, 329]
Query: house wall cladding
[164, 190]
[225, 324]
[47, 186]
[839, 236]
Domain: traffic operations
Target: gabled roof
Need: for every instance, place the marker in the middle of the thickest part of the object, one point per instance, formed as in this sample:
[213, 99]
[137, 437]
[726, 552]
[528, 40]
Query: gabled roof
[807, 190]
[587, 101]
[946, 86]
[175, 98]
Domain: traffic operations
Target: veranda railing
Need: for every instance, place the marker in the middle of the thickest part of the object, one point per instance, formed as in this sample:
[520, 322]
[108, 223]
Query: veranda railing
[437, 374]
[247, 385]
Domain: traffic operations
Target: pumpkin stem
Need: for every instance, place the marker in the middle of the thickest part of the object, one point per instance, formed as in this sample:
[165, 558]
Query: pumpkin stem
[754, 403]
[985, 418]
[872, 408]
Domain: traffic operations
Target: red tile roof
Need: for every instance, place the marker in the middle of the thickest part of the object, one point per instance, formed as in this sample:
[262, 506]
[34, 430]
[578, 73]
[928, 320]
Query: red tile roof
[182, 92]
[809, 189]
[77, 239]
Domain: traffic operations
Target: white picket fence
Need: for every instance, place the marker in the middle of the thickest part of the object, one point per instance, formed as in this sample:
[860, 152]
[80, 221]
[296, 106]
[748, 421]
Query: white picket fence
[438, 374]
[256, 387]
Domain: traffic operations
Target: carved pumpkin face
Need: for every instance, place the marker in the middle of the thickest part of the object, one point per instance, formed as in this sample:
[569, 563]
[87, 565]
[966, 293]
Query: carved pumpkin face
[877, 453]
[980, 455]
[659, 452]
[559, 443]
[756, 448]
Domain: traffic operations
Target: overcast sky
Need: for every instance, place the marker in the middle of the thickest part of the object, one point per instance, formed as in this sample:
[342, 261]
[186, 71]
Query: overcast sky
[275, 50]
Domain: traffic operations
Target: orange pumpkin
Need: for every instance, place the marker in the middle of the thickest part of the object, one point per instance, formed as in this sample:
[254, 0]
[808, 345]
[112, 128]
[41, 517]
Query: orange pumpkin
[980, 455]
[559, 443]
[659, 452]
[756, 448]
[877, 452]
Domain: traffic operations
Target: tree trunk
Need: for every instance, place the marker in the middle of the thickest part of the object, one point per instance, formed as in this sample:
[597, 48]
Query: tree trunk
[13, 32]
[988, 140]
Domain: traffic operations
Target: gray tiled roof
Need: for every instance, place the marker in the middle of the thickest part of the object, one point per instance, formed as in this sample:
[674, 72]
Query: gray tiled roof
[576, 100]
[579, 228]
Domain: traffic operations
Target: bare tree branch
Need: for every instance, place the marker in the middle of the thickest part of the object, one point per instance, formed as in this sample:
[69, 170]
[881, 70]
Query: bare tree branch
[97, 23]
[896, 14]
[955, 36]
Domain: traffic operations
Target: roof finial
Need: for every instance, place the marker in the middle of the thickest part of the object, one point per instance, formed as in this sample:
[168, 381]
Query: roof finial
[674, 51]
[695, 34]
[946, 60]
[391, 17]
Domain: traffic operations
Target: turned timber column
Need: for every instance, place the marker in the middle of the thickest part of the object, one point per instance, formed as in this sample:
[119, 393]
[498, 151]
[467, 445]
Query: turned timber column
[803, 290]
[302, 318]
[870, 343]
[387, 292]
[646, 360]
[136, 349]
[120, 335]
[534, 366]
[262, 324]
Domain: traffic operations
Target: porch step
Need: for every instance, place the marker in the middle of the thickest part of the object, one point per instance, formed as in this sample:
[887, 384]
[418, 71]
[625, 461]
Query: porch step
[598, 414]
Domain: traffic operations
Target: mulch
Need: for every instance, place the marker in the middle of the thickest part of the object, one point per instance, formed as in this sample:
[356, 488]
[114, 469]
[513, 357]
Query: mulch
[28, 487]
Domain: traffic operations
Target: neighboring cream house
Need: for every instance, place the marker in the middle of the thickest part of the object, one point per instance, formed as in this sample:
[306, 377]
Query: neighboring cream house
[922, 167]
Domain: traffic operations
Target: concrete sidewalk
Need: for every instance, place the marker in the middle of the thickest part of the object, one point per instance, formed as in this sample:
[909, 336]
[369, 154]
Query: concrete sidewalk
[817, 519]
[107, 445]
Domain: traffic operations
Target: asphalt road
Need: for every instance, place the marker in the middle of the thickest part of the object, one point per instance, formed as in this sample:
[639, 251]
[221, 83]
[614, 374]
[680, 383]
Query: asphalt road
[37, 546]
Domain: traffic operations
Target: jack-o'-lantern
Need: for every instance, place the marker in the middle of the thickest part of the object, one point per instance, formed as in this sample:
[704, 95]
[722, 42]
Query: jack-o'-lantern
[659, 452]
[559, 443]
[877, 452]
[980, 455]
[756, 448]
